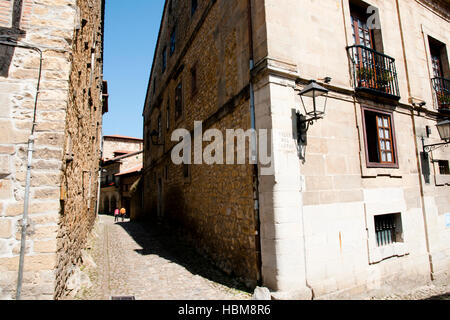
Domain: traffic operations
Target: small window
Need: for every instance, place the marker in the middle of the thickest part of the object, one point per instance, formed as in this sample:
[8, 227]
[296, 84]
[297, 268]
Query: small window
[154, 86]
[172, 41]
[194, 80]
[149, 138]
[380, 140]
[179, 100]
[164, 59]
[444, 167]
[166, 172]
[159, 128]
[388, 229]
[194, 5]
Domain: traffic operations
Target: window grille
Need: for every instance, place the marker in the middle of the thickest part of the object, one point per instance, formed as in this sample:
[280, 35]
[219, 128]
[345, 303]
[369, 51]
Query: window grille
[386, 228]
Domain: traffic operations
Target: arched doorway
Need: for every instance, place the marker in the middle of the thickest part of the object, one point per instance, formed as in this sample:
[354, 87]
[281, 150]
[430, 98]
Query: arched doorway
[113, 204]
[106, 205]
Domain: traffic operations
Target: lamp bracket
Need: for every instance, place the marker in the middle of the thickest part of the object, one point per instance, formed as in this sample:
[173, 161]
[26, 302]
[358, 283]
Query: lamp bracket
[303, 124]
[431, 147]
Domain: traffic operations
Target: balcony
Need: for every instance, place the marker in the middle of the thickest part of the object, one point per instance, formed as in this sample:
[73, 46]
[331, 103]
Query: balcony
[108, 184]
[442, 89]
[374, 73]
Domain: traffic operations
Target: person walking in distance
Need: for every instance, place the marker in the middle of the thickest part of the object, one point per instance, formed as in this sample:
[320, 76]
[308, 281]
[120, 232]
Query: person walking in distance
[116, 215]
[123, 212]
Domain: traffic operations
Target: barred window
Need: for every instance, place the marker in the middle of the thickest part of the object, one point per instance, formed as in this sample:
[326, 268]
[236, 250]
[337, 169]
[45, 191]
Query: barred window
[444, 167]
[388, 229]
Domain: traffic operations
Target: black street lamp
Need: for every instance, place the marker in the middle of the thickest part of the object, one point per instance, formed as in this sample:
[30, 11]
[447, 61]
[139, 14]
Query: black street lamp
[314, 100]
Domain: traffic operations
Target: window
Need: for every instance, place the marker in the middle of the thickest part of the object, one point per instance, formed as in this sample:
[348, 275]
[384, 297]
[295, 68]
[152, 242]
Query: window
[362, 34]
[444, 167]
[159, 128]
[179, 100]
[154, 86]
[149, 138]
[164, 59]
[194, 4]
[194, 80]
[380, 139]
[172, 41]
[440, 72]
[388, 229]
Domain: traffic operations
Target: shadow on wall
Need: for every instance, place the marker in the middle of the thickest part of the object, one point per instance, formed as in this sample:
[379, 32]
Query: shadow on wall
[157, 239]
[11, 34]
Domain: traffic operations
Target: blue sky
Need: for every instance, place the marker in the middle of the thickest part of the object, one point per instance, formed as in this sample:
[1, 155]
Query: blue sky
[131, 32]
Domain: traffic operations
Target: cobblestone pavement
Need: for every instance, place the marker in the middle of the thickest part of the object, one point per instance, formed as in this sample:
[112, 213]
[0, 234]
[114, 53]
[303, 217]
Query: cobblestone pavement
[138, 260]
[424, 293]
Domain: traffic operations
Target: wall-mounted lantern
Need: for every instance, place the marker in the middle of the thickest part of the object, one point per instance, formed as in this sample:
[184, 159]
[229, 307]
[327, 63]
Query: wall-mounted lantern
[444, 132]
[314, 99]
[155, 138]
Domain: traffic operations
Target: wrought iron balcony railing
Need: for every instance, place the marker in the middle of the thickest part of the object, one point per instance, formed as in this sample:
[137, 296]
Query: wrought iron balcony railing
[374, 72]
[442, 89]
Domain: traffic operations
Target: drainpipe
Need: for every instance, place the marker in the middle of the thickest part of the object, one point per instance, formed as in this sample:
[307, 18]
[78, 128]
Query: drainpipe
[254, 140]
[12, 43]
[419, 169]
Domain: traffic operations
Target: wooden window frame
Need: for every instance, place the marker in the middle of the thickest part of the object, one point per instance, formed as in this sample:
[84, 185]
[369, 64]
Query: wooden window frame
[356, 15]
[369, 164]
[436, 58]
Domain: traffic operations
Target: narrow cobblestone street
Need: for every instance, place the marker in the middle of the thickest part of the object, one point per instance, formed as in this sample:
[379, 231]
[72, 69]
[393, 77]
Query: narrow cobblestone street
[139, 260]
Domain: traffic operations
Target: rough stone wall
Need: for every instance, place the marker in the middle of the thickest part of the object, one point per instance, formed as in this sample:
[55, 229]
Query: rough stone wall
[48, 25]
[214, 205]
[83, 140]
[50, 28]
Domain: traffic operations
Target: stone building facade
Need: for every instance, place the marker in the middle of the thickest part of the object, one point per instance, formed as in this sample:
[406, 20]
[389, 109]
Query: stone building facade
[115, 145]
[348, 213]
[121, 169]
[68, 110]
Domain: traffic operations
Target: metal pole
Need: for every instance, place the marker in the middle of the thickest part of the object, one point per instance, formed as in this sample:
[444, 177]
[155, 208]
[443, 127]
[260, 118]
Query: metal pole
[13, 43]
[25, 217]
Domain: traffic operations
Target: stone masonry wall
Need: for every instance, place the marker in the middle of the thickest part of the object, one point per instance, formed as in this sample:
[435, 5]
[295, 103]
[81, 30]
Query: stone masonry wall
[83, 140]
[214, 204]
[48, 25]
